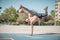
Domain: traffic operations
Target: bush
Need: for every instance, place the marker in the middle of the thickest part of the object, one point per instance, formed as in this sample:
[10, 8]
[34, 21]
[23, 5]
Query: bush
[57, 22]
[50, 22]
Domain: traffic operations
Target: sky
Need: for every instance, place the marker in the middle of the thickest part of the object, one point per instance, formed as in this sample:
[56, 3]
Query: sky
[37, 5]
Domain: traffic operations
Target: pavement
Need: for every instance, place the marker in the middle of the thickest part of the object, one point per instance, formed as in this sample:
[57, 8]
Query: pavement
[26, 29]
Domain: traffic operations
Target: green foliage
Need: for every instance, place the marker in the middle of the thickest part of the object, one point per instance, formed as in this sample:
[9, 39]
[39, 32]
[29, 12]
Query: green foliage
[52, 13]
[50, 22]
[10, 13]
[57, 22]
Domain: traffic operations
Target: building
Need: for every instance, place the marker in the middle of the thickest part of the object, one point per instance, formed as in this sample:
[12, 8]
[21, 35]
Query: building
[57, 10]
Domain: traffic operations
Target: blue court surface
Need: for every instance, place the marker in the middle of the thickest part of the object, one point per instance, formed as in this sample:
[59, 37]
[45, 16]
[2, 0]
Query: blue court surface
[17, 36]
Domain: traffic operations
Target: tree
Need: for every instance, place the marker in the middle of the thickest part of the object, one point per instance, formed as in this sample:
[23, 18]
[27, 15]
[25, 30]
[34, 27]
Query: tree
[10, 14]
[2, 17]
[53, 16]
[52, 13]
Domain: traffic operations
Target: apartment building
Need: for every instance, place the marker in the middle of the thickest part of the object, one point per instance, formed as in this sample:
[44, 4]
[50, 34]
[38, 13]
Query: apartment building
[57, 10]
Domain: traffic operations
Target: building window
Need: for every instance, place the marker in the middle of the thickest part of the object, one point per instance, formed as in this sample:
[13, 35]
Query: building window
[59, 4]
[59, 12]
[59, 15]
[56, 11]
[59, 19]
[56, 7]
[59, 8]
